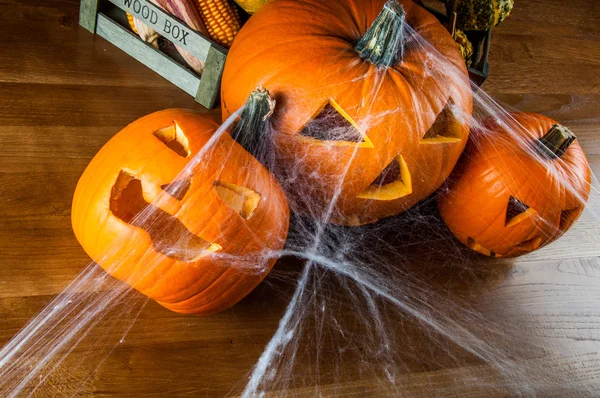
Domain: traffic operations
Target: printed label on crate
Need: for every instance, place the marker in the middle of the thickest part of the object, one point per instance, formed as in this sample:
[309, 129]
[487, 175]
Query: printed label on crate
[167, 26]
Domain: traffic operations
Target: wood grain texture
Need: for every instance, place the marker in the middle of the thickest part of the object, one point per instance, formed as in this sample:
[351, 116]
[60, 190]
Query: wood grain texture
[65, 92]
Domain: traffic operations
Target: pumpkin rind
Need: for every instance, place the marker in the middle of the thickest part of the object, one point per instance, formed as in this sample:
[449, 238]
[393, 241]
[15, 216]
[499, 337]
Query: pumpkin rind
[304, 53]
[237, 235]
[507, 198]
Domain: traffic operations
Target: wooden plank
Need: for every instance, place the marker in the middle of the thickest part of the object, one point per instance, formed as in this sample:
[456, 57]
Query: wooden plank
[63, 98]
[87, 14]
[146, 54]
[208, 90]
[167, 26]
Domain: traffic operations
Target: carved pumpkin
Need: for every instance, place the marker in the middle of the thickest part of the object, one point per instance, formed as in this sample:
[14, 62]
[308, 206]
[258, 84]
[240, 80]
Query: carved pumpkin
[517, 190]
[363, 120]
[193, 242]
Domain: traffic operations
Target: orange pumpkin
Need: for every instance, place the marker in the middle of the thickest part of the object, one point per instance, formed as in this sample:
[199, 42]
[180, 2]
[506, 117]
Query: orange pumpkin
[518, 188]
[194, 242]
[369, 116]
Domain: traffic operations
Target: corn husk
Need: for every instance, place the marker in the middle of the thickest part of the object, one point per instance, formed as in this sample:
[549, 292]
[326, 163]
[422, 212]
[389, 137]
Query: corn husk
[145, 32]
[186, 12]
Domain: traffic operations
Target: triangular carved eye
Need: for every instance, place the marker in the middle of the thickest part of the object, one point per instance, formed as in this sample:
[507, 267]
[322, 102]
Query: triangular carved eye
[394, 182]
[333, 126]
[174, 138]
[445, 129]
[568, 217]
[517, 211]
[242, 200]
[478, 248]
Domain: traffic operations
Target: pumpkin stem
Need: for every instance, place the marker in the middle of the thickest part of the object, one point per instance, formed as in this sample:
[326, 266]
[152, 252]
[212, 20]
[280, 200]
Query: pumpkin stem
[556, 141]
[383, 43]
[252, 129]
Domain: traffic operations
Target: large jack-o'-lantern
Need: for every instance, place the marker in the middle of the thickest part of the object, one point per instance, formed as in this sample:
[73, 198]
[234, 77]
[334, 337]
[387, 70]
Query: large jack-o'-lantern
[518, 188]
[196, 242]
[371, 114]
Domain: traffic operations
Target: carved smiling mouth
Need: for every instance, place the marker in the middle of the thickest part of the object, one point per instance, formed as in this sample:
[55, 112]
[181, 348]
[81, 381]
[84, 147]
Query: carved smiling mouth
[127, 202]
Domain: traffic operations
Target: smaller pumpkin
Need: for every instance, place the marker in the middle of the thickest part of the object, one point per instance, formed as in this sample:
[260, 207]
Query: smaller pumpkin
[479, 14]
[194, 242]
[518, 188]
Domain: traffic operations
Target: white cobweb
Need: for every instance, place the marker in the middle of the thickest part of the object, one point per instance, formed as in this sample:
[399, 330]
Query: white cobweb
[394, 308]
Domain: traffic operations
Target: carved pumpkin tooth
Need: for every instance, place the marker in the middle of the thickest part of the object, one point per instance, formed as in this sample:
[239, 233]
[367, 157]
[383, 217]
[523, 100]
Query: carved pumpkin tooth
[177, 189]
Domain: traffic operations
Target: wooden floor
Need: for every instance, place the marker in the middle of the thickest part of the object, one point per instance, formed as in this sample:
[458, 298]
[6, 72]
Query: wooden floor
[64, 93]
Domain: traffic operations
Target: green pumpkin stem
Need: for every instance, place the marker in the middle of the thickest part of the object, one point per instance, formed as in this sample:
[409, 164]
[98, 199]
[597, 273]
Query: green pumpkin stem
[383, 43]
[253, 127]
[556, 141]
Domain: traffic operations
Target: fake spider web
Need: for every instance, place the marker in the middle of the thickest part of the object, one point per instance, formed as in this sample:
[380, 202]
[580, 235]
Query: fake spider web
[385, 309]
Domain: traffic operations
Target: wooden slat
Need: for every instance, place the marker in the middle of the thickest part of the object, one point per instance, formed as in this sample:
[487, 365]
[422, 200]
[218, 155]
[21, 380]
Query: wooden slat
[167, 26]
[146, 54]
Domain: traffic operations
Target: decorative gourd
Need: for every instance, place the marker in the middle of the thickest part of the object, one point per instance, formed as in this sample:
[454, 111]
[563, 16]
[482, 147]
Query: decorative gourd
[504, 200]
[464, 46]
[479, 14]
[362, 119]
[199, 247]
[251, 6]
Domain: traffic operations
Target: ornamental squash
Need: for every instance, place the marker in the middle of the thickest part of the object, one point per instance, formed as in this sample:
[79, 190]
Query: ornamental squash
[479, 14]
[464, 46]
[371, 118]
[251, 6]
[518, 188]
[195, 241]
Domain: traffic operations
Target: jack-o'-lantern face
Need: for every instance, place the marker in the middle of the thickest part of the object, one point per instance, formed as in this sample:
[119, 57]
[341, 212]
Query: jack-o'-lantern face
[372, 139]
[507, 201]
[192, 241]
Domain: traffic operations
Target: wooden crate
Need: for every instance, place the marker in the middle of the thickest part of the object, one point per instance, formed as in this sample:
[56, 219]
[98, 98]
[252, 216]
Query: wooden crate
[479, 69]
[102, 17]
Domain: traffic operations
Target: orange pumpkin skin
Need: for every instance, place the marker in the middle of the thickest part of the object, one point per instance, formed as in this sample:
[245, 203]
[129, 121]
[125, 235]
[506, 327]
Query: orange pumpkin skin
[500, 168]
[303, 53]
[191, 277]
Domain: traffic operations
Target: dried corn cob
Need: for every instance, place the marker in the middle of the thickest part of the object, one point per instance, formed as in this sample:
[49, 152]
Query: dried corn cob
[185, 11]
[221, 19]
[130, 19]
[147, 34]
